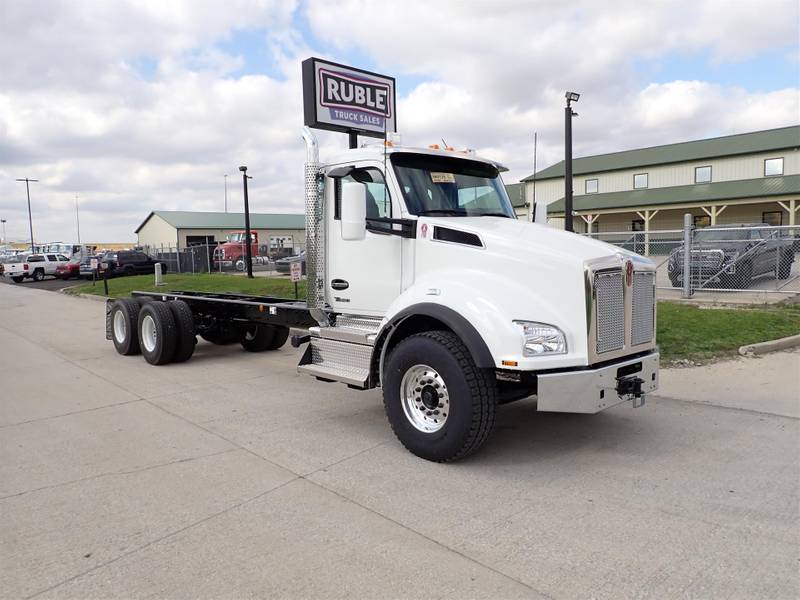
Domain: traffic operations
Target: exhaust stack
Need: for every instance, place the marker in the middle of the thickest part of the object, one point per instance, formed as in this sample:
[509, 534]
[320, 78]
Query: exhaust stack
[315, 232]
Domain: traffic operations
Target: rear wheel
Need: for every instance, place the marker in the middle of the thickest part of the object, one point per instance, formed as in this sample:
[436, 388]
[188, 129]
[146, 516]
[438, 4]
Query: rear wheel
[19, 279]
[38, 275]
[440, 405]
[124, 322]
[260, 338]
[186, 339]
[157, 333]
[129, 270]
[785, 265]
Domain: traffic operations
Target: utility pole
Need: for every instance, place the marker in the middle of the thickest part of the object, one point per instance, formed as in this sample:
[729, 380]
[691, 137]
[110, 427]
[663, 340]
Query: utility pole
[3, 221]
[568, 114]
[249, 248]
[30, 217]
[534, 207]
[226, 191]
[77, 218]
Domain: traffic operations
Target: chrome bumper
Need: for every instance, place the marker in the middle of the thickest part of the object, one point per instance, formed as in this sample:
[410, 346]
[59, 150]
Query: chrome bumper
[593, 390]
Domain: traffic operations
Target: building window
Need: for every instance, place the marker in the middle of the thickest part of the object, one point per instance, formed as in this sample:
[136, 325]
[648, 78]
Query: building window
[640, 181]
[772, 217]
[702, 174]
[591, 186]
[702, 221]
[773, 166]
[637, 225]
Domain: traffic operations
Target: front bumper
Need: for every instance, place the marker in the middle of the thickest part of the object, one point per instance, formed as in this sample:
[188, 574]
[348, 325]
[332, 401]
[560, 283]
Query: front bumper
[595, 389]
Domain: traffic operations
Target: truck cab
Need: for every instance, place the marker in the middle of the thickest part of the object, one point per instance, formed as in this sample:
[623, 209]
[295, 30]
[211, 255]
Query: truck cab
[232, 252]
[424, 283]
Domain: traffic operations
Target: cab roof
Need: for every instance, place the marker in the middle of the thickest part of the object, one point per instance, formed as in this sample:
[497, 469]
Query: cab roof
[376, 151]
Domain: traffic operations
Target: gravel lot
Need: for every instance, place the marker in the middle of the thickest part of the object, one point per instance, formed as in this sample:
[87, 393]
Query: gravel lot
[232, 476]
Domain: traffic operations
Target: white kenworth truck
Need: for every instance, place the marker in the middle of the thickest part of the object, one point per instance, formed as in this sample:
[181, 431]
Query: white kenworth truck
[421, 281]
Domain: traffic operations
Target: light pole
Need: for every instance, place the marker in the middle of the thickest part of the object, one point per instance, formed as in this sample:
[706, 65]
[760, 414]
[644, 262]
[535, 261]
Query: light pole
[3, 221]
[248, 245]
[226, 192]
[78, 218]
[568, 114]
[30, 218]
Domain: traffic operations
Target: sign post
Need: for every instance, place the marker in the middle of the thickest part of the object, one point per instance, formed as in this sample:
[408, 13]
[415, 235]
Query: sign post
[349, 100]
[93, 263]
[296, 272]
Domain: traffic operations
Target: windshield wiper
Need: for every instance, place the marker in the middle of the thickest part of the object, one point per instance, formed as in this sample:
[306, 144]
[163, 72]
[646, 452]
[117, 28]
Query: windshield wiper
[442, 211]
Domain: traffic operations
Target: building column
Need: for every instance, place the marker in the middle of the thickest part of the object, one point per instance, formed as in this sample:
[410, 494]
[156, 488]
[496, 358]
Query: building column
[792, 209]
[714, 212]
[646, 217]
[589, 219]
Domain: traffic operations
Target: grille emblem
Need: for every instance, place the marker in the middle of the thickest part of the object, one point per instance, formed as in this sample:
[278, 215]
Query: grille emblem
[628, 272]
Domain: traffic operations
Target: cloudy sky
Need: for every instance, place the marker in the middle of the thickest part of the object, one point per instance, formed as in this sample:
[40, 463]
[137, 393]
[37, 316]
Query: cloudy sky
[143, 105]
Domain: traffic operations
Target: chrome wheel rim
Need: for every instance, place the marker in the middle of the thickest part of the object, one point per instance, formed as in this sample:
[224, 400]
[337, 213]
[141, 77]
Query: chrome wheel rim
[120, 326]
[149, 335]
[425, 399]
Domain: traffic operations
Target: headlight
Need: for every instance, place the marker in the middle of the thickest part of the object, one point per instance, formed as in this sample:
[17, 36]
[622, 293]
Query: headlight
[540, 338]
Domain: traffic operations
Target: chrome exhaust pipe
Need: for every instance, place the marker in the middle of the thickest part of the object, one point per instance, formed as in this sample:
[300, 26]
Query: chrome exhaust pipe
[315, 232]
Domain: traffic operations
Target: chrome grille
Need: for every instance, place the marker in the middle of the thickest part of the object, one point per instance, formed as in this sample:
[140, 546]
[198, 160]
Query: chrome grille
[643, 320]
[610, 293]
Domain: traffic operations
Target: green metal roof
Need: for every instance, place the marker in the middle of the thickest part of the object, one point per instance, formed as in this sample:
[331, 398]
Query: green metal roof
[729, 145]
[220, 220]
[681, 194]
[516, 193]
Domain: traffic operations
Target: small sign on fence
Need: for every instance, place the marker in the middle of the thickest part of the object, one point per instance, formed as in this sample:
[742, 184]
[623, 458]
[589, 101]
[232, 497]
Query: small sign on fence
[94, 264]
[296, 271]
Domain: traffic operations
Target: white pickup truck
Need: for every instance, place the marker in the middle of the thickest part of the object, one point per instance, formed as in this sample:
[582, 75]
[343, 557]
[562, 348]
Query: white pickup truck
[33, 266]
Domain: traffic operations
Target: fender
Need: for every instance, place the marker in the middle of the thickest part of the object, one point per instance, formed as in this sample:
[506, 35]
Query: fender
[459, 325]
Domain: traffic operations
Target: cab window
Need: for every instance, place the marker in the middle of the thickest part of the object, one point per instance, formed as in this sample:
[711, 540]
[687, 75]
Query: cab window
[379, 201]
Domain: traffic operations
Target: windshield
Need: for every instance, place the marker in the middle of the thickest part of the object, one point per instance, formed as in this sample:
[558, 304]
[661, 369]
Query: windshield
[434, 185]
[240, 237]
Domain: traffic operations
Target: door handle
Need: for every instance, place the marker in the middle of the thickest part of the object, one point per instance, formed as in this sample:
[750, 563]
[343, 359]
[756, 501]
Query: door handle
[339, 284]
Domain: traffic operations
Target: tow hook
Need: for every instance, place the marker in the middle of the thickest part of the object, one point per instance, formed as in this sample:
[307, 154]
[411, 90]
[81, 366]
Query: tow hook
[632, 387]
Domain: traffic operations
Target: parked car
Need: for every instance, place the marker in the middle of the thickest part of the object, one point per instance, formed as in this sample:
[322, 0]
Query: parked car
[69, 269]
[33, 266]
[284, 265]
[731, 256]
[129, 262]
[85, 266]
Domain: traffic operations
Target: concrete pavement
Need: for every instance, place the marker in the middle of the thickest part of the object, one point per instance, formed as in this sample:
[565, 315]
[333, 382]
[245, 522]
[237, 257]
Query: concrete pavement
[232, 476]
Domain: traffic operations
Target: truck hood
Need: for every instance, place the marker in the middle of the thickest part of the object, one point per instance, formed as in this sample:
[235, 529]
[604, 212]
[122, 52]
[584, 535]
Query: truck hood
[518, 238]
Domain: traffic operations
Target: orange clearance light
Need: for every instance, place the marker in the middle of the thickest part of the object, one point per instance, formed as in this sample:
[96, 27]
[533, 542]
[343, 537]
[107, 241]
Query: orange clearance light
[450, 148]
[510, 363]
[260, 308]
[434, 146]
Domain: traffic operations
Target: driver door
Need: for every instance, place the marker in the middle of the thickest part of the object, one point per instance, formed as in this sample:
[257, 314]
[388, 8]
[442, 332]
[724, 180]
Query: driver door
[362, 276]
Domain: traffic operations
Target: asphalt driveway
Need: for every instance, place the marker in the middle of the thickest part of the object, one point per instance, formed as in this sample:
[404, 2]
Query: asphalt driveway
[232, 476]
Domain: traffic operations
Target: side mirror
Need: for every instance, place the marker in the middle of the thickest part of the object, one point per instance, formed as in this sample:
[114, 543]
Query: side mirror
[354, 211]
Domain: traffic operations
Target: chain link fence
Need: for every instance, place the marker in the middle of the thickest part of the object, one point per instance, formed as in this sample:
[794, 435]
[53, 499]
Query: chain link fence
[222, 258]
[721, 258]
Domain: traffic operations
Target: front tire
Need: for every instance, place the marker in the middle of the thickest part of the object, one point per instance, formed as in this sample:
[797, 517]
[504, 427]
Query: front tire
[440, 405]
[157, 333]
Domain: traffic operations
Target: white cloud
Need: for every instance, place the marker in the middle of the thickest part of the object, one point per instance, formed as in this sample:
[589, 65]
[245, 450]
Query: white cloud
[134, 106]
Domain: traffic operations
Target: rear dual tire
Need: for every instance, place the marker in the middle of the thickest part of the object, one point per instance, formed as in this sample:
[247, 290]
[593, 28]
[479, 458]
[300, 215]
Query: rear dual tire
[162, 332]
[157, 333]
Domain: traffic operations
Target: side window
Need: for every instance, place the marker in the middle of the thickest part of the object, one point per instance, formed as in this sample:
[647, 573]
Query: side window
[62, 258]
[52, 257]
[379, 202]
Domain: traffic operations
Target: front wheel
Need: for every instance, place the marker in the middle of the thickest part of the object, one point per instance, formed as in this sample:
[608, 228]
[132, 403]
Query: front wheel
[440, 405]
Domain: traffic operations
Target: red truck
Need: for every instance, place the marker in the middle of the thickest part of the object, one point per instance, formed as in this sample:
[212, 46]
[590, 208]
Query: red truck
[231, 254]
